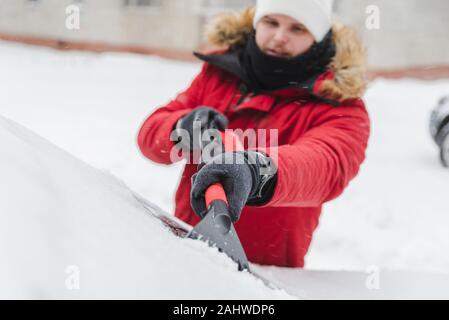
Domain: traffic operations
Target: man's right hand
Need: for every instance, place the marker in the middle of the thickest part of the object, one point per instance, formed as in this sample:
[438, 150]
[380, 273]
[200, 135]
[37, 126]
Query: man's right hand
[190, 128]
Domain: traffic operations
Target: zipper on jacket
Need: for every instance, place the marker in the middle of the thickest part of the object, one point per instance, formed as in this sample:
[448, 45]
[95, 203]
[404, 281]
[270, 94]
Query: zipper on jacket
[244, 91]
[228, 106]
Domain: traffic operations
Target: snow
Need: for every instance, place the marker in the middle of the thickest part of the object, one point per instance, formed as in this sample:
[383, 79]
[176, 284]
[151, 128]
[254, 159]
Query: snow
[373, 284]
[395, 213]
[68, 230]
[393, 216]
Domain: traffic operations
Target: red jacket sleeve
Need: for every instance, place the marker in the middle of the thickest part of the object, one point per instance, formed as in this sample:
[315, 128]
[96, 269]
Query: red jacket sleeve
[154, 136]
[318, 166]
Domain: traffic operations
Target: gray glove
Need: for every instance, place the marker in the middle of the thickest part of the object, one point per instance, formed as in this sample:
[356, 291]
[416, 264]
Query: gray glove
[242, 178]
[203, 118]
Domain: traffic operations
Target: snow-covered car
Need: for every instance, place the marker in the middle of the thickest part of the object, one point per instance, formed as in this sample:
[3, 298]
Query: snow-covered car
[70, 231]
[439, 128]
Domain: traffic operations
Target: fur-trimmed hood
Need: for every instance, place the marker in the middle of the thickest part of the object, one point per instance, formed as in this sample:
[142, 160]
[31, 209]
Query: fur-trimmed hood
[348, 67]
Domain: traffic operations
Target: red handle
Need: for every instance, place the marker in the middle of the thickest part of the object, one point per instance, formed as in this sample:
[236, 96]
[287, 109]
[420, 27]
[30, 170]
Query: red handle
[216, 192]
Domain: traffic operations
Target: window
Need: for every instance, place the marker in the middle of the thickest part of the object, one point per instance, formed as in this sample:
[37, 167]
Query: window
[153, 7]
[142, 3]
[229, 4]
[212, 7]
[32, 4]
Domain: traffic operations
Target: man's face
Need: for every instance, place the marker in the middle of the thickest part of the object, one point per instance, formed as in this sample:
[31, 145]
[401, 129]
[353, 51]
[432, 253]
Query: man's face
[282, 36]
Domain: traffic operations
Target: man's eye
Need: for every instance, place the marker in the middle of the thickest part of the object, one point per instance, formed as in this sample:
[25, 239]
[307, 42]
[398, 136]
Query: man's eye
[271, 23]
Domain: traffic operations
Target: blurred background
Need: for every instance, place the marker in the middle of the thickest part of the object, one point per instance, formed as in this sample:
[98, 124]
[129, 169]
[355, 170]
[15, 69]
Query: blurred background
[411, 35]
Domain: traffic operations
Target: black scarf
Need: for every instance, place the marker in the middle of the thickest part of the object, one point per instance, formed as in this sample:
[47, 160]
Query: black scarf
[266, 72]
[263, 72]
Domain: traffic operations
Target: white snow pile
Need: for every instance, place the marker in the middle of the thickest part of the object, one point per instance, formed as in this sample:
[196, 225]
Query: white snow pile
[68, 230]
[373, 284]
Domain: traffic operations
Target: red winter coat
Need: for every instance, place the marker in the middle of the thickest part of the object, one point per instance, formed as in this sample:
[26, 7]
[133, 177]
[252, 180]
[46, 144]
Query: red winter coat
[320, 149]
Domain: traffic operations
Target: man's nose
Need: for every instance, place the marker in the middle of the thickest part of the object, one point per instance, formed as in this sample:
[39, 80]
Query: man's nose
[281, 37]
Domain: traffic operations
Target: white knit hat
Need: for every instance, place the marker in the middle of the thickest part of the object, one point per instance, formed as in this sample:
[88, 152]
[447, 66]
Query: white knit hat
[315, 15]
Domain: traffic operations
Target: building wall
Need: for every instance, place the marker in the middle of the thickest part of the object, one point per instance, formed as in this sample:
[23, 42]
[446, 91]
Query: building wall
[412, 32]
[172, 26]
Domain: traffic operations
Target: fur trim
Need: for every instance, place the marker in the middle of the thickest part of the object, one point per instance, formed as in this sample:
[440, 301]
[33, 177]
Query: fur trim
[348, 65]
[230, 29]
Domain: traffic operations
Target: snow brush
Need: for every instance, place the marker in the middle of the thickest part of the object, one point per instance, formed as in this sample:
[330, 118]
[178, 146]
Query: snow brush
[216, 228]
